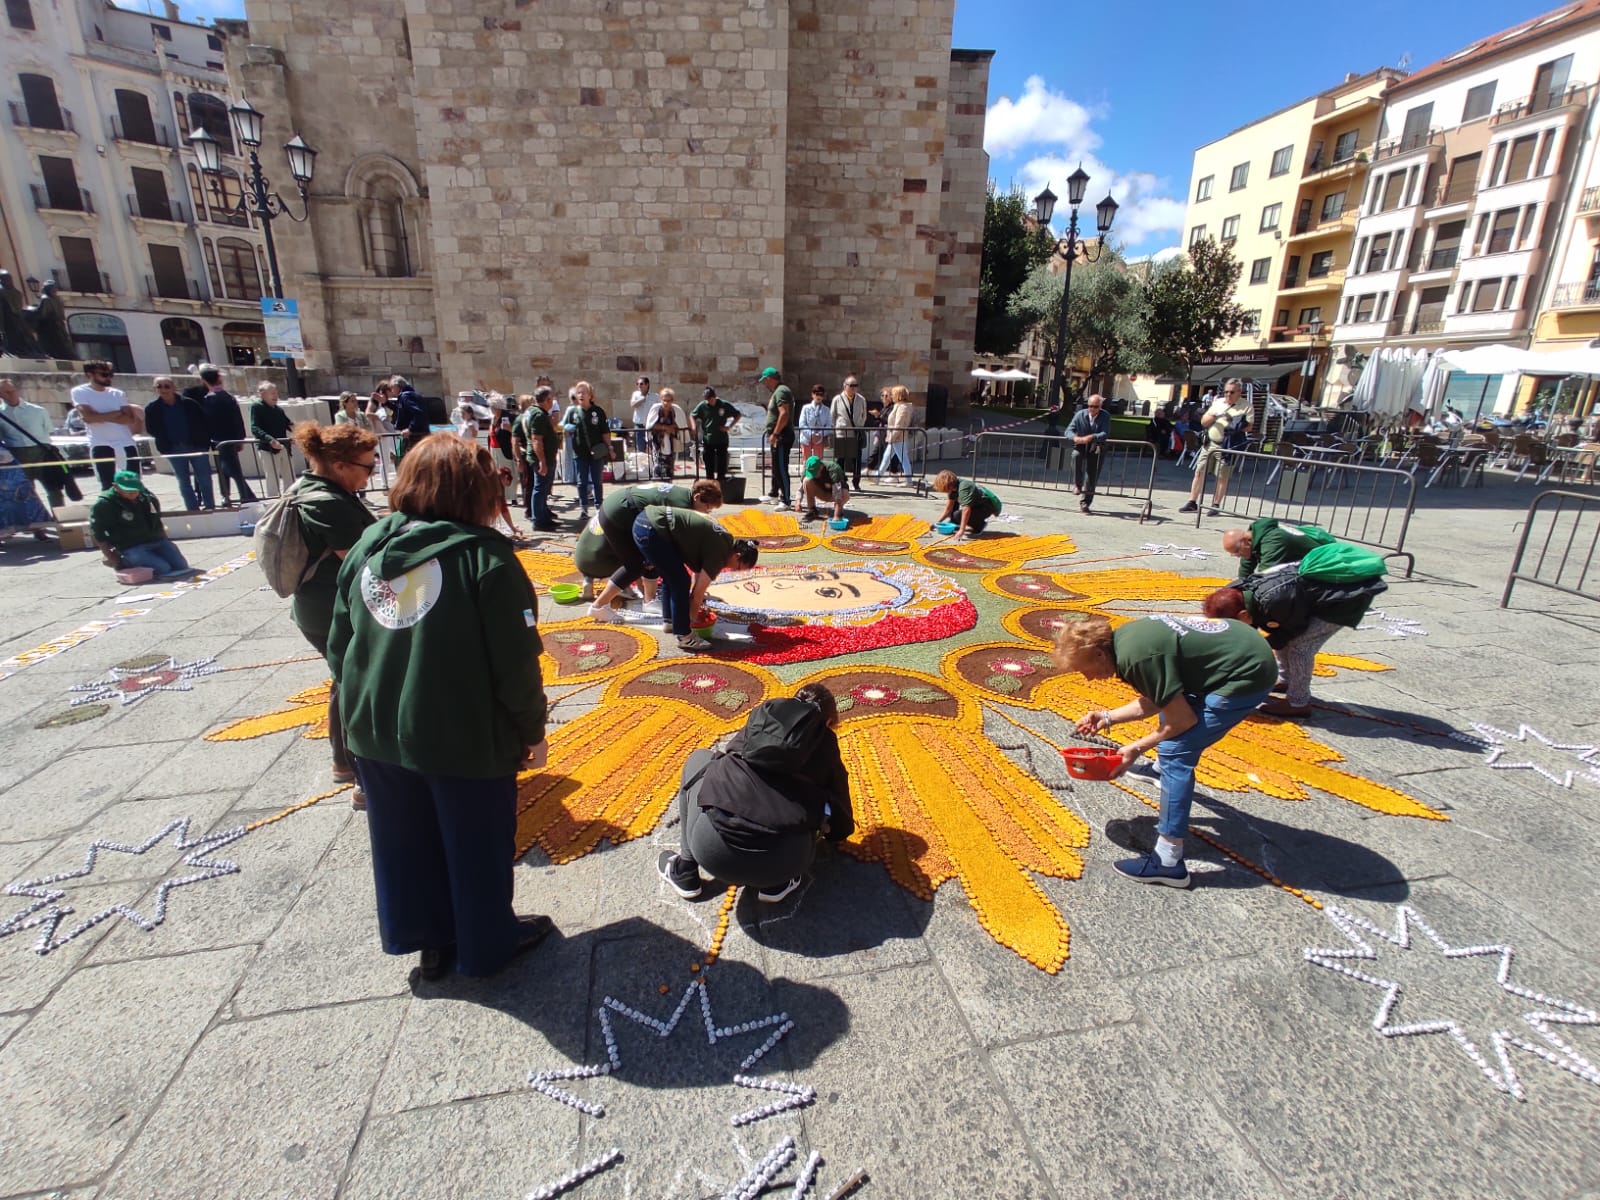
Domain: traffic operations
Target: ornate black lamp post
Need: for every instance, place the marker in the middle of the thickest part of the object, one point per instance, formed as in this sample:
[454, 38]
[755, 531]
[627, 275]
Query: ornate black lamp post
[1070, 247]
[258, 199]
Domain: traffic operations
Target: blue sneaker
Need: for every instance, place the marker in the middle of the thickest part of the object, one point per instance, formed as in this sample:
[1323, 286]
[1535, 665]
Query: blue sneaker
[1149, 870]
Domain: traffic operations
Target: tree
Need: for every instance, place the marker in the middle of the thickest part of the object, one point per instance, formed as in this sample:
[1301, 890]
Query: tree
[1188, 308]
[1105, 320]
[1012, 247]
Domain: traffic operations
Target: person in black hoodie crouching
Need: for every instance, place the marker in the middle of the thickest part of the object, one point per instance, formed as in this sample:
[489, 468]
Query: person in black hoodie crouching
[750, 814]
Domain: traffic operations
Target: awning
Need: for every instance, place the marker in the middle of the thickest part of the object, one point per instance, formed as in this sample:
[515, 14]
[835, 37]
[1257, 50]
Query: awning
[1249, 371]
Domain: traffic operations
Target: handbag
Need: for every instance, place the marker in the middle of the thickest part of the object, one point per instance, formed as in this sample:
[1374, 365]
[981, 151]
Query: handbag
[62, 474]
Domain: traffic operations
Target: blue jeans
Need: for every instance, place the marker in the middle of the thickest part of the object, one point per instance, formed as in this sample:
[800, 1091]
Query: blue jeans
[542, 484]
[194, 477]
[1176, 758]
[442, 855]
[662, 554]
[162, 557]
[589, 481]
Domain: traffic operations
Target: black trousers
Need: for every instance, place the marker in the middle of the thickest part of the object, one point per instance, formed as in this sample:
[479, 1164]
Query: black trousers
[229, 470]
[715, 459]
[1086, 468]
[758, 863]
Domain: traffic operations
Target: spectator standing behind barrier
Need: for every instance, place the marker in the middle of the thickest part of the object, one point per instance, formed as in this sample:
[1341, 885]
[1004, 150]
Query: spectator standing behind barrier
[750, 815]
[270, 426]
[676, 542]
[410, 413]
[875, 432]
[1202, 676]
[439, 720]
[710, 421]
[25, 431]
[1089, 430]
[125, 522]
[815, 424]
[341, 459]
[225, 429]
[639, 406]
[849, 411]
[111, 420]
[589, 444]
[614, 523]
[178, 425]
[542, 440]
[779, 433]
[666, 422]
[350, 413]
[896, 438]
[1224, 420]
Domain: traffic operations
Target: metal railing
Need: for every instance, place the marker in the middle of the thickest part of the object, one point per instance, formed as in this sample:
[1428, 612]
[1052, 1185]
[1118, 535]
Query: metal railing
[915, 451]
[100, 282]
[43, 199]
[1406, 143]
[1048, 461]
[22, 119]
[1540, 102]
[1576, 295]
[1369, 505]
[172, 210]
[160, 135]
[1566, 536]
[172, 289]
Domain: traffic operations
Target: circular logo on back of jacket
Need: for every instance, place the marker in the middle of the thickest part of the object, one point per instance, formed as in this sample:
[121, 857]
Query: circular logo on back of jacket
[401, 602]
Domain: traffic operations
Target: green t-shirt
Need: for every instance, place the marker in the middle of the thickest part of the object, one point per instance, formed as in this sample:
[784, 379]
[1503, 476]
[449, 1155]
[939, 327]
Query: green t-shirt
[331, 519]
[1163, 657]
[714, 417]
[705, 545]
[622, 506]
[537, 424]
[969, 493]
[831, 474]
[1273, 543]
[781, 397]
[114, 520]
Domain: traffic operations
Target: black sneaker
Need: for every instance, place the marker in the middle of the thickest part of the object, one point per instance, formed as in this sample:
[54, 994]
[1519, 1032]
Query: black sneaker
[433, 965]
[683, 878]
[772, 895]
[1190, 507]
[1148, 869]
[1213, 511]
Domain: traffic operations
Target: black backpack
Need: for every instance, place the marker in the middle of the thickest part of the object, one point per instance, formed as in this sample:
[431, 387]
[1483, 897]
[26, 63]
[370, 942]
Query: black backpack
[1280, 603]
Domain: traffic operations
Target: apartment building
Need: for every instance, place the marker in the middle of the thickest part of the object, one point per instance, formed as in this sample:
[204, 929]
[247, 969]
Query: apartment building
[1281, 193]
[102, 194]
[1472, 206]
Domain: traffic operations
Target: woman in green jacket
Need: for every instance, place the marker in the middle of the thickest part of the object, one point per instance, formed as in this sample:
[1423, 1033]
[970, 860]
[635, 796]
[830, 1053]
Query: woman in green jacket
[435, 651]
[270, 426]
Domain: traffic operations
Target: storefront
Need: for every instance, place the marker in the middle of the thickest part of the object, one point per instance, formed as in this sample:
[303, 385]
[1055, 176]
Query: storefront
[101, 335]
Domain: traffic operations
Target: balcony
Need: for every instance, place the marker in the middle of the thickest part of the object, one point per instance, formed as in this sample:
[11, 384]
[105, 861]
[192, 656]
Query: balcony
[1577, 295]
[1329, 167]
[95, 283]
[167, 210]
[43, 201]
[1568, 100]
[1307, 335]
[1589, 205]
[172, 289]
[21, 119]
[1305, 230]
[1442, 258]
[1328, 281]
[160, 136]
[1432, 141]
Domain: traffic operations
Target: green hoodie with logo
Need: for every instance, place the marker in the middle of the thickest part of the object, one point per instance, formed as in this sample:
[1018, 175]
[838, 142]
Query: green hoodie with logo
[435, 644]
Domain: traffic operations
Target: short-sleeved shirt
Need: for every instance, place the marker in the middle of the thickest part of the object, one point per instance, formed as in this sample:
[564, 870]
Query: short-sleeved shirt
[622, 506]
[589, 424]
[1273, 543]
[781, 397]
[103, 433]
[1217, 431]
[714, 417]
[537, 424]
[25, 419]
[969, 495]
[331, 520]
[1164, 657]
[705, 545]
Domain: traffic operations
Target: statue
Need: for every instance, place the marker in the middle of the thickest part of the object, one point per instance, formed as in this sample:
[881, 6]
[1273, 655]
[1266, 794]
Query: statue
[15, 337]
[49, 321]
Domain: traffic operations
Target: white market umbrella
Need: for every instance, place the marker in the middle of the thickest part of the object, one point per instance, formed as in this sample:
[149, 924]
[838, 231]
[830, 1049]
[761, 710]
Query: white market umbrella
[1013, 375]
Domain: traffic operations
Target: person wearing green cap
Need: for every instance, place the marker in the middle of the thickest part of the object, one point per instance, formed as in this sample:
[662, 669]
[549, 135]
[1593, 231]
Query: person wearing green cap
[125, 522]
[825, 481]
[780, 432]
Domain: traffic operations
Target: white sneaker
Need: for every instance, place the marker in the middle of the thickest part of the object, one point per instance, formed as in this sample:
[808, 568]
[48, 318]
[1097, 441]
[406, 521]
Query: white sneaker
[772, 895]
[694, 643]
[606, 616]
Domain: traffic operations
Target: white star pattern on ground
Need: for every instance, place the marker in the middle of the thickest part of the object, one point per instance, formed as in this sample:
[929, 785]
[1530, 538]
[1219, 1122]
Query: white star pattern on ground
[46, 912]
[130, 684]
[1400, 627]
[1548, 1010]
[1168, 550]
[1494, 743]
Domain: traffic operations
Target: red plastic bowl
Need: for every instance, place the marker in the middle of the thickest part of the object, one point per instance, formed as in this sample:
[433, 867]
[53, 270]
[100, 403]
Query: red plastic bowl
[1086, 762]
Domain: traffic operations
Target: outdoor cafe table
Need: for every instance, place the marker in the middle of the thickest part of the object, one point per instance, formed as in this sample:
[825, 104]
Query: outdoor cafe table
[1565, 458]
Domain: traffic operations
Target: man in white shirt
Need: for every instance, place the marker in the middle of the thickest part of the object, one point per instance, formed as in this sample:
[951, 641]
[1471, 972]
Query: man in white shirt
[112, 422]
[1228, 413]
[849, 410]
[639, 406]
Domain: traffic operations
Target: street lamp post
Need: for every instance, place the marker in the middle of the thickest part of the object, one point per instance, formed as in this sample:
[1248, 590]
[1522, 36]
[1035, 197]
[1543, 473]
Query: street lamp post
[1044, 207]
[258, 199]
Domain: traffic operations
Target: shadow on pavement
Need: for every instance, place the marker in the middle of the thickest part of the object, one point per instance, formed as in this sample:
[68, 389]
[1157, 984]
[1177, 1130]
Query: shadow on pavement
[1370, 721]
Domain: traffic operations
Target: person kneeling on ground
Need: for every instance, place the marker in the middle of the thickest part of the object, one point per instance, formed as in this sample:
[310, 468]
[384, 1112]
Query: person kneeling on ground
[125, 522]
[977, 503]
[823, 481]
[1202, 676]
[750, 814]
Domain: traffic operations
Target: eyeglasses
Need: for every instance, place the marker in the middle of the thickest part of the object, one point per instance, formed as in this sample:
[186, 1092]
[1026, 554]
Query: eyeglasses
[368, 467]
[851, 384]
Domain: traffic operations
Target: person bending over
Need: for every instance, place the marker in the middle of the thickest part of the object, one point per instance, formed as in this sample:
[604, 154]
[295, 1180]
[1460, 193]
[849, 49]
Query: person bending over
[824, 481]
[619, 510]
[976, 503]
[750, 815]
[1201, 676]
[679, 543]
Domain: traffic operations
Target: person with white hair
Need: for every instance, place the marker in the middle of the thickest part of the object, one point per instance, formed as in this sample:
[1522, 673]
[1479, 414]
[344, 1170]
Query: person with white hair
[271, 426]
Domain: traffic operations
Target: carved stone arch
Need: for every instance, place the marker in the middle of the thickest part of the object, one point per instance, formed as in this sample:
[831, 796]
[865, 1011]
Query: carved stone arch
[370, 168]
[386, 199]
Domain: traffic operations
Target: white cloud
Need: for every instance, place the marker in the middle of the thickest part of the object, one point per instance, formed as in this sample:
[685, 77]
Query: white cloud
[1060, 133]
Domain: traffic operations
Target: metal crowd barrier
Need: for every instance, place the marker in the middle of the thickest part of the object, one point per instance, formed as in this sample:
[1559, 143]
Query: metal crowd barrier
[1369, 505]
[1042, 460]
[1566, 546]
[918, 451]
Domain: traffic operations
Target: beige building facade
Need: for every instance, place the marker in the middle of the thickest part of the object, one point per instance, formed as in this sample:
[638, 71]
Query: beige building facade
[1281, 194]
[690, 191]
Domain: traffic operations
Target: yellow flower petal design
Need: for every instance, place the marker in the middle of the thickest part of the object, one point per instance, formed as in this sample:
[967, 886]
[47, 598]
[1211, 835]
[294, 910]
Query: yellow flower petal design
[779, 532]
[990, 550]
[895, 534]
[310, 713]
[546, 568]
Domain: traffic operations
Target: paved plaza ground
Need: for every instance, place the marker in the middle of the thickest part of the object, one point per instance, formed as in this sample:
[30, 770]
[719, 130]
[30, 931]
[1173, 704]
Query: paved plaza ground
[1334, 1010]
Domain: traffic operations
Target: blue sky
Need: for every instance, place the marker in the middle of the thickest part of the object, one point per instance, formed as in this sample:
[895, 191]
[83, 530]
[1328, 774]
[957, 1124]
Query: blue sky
[1133, 95]
[1132, 100]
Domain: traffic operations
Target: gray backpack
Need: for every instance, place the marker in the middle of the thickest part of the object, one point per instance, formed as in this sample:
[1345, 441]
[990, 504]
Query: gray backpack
[280, 544]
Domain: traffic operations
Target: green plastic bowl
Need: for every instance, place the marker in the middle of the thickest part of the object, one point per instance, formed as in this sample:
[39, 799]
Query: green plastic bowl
[566, 593]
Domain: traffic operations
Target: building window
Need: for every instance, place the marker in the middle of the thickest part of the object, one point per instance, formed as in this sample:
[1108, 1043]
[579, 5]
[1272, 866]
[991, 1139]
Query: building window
[1280, 162]
[1230, 229]
[1252, 323]
[197, 192]
[61, 188]
[1202, 190]
[1415, 133]
[1463, 179]
[211, 267]
[134, 122]
[1479, 101]
[1446, 246]
[1378, 255]
[164, 32]
[185, 341]
[211, 114]
[225, 211]
[1311, 317]
[1483, 298]
[386, 231]
[1519, 165]
[1530, 217]
[1501, 231]
[1259, 270]
[1270, 216]
[240, 278]
[40, 103]
[1333, 206]
[101, 335]
[1365, 306]
[1240, 177]
[1197, 235]
[1344, 147]
[1550, 83]
[1546, 145]
[182, 109]
[213, 42]
[20, 14]
[167, 278]
[1291, 273]
[1393, 188]
[83, 270]
[150, 197]
[1321, 265]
